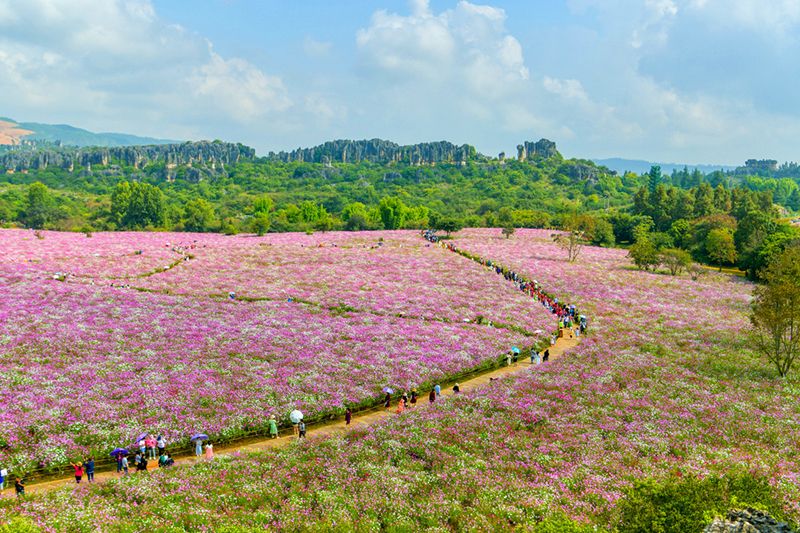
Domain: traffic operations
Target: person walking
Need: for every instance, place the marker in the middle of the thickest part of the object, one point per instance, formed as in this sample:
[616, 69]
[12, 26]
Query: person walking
[301, 430]
[3, 474]
[273, 427]
[19, 487]
[546, 356]
[141, 466]
[142, 446]
[78, 467]
[348, 416]
[161, 442]
[88, 467]
[438, 390]
[413, 397]
[387, 400]
[124, 465]
[119, 463]
[401, 406]
[209, 451]
[198, 447]
[432, 396]
[150, 442]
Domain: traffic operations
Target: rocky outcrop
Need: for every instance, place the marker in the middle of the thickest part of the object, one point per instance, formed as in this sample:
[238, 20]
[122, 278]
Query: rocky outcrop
[210, 156]
[380, 151]
[747, 521]
[541, 148]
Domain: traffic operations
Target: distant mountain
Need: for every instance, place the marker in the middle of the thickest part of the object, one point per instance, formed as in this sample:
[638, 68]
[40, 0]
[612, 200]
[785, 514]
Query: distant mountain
[15, 133]
[639, 166]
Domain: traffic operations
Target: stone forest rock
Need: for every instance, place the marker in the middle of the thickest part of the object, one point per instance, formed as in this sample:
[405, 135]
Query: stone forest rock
[747, 521]
[203, 156]
[380, 151]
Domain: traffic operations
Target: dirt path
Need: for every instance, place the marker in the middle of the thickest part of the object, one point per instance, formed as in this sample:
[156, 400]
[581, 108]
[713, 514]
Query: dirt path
[336, 427]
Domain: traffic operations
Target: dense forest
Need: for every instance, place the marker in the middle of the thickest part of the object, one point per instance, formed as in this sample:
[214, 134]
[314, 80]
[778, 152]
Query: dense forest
[724, 218]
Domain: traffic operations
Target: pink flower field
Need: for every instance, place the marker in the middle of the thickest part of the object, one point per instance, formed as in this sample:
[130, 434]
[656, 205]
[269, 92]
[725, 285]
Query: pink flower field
[87, 366]
[665, 386]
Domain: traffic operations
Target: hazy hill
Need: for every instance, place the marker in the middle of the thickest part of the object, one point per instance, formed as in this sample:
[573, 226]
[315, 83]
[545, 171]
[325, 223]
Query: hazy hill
[13, 132]
[640, 166]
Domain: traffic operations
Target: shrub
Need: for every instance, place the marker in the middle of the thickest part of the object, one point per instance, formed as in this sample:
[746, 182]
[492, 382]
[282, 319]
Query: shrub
[689, 504]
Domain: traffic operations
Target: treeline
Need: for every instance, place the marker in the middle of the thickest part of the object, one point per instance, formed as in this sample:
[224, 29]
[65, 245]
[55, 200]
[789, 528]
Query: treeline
[724, 226]
[721, 218]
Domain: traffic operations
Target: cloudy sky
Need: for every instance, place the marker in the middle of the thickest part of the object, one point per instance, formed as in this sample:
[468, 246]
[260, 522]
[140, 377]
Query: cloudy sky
[694, 81]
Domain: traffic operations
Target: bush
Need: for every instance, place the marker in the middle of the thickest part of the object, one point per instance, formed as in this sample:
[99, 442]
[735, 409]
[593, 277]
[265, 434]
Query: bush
[689, 504]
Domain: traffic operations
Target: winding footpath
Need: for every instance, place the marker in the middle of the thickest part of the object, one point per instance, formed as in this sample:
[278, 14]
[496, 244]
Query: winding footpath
[337, 427]
[564, 343]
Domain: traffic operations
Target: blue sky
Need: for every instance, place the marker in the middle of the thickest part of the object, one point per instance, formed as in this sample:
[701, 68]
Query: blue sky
[694, 81]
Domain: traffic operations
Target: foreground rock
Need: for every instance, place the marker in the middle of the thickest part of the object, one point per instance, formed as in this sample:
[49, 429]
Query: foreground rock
[747, 521]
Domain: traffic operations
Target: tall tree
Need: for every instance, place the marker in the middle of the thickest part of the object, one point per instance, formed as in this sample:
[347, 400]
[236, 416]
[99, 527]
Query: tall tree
[392, 211]
[776, 312]
[40, 206]
[720, 247]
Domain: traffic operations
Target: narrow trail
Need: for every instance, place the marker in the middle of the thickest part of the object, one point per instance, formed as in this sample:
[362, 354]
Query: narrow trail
[337, 427]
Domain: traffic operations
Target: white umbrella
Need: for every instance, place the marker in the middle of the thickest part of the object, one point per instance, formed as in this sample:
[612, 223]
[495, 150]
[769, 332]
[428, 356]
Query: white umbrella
[296, 416]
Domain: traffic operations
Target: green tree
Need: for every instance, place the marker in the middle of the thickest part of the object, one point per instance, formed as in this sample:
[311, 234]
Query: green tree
[654, 178]
[392, 212]
[720, 247]
[675, 260]
[508, 231]
[260, 224]
[644, 253]
[199, 216]
[449, 225]
[138, 205]
[776, 312]
[603, 234]
[40, 208]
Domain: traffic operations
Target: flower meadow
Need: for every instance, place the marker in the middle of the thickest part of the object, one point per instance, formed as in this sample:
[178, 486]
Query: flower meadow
[664, 386]
[88, 362]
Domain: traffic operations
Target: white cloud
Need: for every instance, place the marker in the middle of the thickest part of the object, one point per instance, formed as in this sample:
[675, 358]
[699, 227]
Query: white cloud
[116, 61]
[316, 49]
[466, 46]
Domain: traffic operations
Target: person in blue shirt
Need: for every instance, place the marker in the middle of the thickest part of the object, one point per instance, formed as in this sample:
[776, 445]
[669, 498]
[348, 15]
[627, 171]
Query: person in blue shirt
[88, 468]
[438, 390]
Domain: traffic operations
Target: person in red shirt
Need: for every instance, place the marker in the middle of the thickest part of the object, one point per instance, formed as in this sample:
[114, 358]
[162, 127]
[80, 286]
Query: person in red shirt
[78, 471]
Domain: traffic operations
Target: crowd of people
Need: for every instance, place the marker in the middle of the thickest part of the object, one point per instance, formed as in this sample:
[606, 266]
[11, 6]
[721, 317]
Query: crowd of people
[568, 316]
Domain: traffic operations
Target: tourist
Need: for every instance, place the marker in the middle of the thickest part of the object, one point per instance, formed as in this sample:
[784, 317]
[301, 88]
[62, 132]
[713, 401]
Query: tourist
[137, 460]
[88, 467]
[508, 359]
[19, 487]
[78, 467]
[161, 442]
[124, 465]
[142, 446]
[119, 463]
[401, 406]
[301, 427]
[456, 389]
[348, 416]
[209, 451]
[432, 396]
[3, 474]
[546, 355]
[438, 390]
[162, 460]
[387, 400]
[198, 447]
[150, 443]
[141, 466]
[273, 427]
[413, 400]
